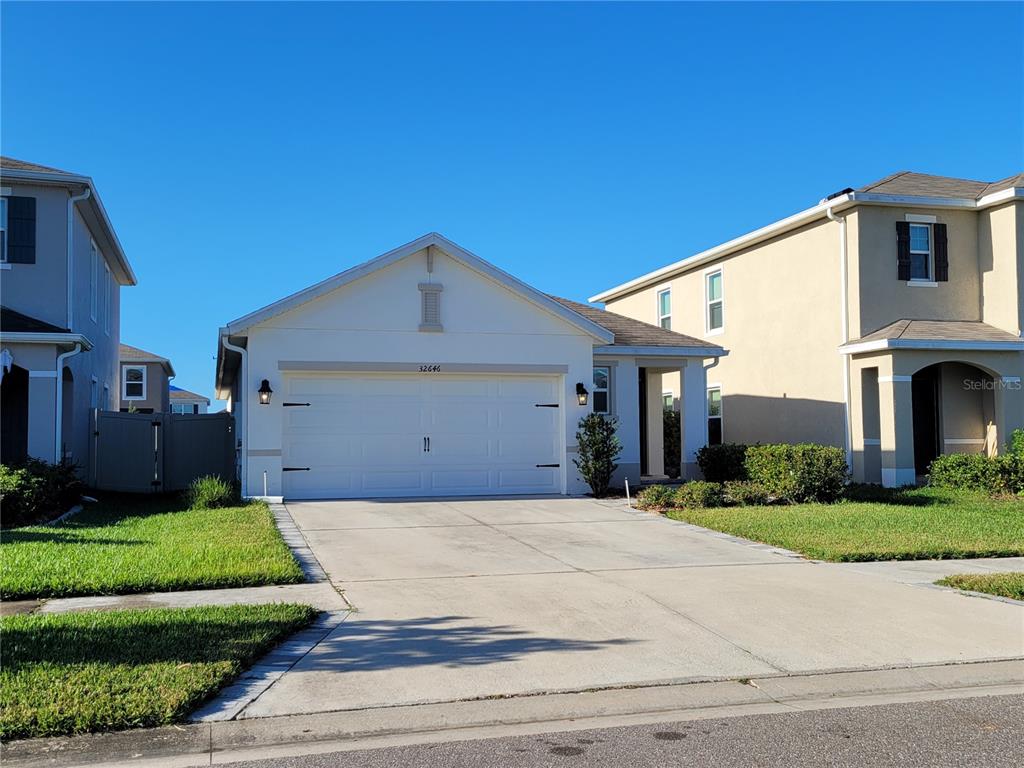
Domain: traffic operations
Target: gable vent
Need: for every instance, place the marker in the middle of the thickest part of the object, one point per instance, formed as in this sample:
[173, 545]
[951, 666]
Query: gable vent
[430, 319]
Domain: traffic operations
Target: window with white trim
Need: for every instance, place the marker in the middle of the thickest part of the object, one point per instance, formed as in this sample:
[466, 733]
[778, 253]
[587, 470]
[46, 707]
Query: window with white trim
[3, 229]
[133, 382]
[714, 415]
[188, 408]
[108, 289]
[920, 252]
[715, 302]
[668, 401]
[665, 309]
[94, 277]
[602, 388]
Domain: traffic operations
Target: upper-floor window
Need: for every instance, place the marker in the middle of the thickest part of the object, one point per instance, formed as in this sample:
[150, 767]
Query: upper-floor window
[920, 252]
[715, 301]
[3, 229]
[133, 382]
[668, 401]
[108, 290]
[94, 279]
[184, 408]
[602, 386]
[665, 309]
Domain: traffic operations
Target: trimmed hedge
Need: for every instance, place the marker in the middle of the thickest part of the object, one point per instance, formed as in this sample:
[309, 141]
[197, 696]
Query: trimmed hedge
[978, 472]
[723, 463]
[698, 494]
[746, 493]
[798, 473]
[37, 492]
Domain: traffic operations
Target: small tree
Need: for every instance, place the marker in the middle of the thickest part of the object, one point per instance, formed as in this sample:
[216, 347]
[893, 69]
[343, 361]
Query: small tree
[599, 447]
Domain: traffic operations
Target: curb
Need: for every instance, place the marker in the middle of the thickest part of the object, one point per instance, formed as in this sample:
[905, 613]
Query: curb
[297, 543]
[222, 741]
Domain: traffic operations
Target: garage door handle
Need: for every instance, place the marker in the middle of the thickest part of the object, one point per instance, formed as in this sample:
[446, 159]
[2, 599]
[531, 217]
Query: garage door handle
[428, 445]
[295, 469]
[545, 405]
[549, 465]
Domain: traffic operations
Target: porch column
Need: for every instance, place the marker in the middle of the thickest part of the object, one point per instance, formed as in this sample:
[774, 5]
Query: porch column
[655, 424]
[693, 392]
[42, 414]
[896, 416]
[626, 407]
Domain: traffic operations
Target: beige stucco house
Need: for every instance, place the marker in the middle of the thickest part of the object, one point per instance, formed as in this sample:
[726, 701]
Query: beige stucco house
[885, 319]
[145, 381]
[61, 271]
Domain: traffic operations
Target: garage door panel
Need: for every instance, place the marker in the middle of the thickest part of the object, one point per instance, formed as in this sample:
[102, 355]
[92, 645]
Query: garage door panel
[362, 435]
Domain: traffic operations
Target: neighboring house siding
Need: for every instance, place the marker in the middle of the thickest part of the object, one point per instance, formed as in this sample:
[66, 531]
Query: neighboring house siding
[1001, 251]
[782, 377]
[40, 289]
[157, 391]
[884, 298]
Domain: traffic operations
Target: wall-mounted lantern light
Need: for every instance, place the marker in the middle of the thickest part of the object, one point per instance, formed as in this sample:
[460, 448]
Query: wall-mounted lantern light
[581, 393]
[265, 392]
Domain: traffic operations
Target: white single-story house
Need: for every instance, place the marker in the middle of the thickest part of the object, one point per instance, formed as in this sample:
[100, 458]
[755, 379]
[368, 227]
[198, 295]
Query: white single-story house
[428, 371]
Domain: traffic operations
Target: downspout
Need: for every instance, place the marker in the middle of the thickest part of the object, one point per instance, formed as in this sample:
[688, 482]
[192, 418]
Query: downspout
[844, 316]
[58, 430]
[243, 422]
[71, 253]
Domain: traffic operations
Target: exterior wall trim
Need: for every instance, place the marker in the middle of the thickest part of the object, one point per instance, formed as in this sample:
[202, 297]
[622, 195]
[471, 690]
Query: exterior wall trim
[24, 337]
[343, 366]
[942, 344]
[702, 352]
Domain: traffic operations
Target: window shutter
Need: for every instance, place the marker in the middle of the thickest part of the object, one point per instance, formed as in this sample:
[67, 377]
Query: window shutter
[941, 253]
[21, 230]
[903, 250]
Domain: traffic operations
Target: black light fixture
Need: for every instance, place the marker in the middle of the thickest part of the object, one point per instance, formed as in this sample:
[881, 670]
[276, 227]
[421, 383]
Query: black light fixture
[265, 392]
[581, 393]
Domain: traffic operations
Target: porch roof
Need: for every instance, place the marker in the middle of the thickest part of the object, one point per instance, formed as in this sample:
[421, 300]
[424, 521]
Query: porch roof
[635, 334]
[936, 334]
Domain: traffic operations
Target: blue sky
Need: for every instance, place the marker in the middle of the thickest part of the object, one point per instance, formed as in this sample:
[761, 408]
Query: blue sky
[246, 151]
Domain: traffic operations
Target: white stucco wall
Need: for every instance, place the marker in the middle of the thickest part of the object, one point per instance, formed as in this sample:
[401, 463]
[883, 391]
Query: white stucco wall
[376, 320]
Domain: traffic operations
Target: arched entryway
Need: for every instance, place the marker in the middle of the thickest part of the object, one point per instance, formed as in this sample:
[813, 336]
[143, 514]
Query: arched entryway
[953, 411]
[14, 416]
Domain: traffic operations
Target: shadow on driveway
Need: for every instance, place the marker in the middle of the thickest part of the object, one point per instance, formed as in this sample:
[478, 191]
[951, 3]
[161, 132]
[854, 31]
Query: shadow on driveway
[366, 645]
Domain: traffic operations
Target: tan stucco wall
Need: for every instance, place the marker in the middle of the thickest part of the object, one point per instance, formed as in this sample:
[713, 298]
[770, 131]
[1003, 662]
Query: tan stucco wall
[782, 379]
[884, 298]
[1001, 249]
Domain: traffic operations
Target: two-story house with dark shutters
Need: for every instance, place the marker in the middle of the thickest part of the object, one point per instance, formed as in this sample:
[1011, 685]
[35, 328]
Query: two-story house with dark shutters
[885, 319]
[61, 271]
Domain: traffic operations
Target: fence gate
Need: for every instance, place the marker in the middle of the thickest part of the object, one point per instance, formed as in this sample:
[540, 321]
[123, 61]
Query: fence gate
[155, 452]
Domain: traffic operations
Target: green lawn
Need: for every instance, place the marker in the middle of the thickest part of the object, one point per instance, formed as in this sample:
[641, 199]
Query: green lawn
[918, 524]
[1003, 584]
[109, 670]
[141, 544]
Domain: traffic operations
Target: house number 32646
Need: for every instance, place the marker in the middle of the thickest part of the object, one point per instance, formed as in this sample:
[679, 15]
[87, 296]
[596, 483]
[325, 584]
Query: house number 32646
[430, 368]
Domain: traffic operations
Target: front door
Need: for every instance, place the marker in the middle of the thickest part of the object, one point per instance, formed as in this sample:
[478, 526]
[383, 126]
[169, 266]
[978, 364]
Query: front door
[925, 394]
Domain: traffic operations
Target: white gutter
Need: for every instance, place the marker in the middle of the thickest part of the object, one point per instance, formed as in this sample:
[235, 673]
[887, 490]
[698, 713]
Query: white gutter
[844, 323]
[71, 251]
[963, 345]
[58, 430]
[241, 419]
[799, 219]
[31, 337]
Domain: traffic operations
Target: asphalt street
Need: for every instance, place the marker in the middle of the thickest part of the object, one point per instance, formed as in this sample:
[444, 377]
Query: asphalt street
[983, 731]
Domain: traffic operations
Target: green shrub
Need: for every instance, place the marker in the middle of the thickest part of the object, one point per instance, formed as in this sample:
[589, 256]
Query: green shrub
[798, 473]
[746, 493]
[655, 497]
[722, 463]
[36, 491]
[1016, 444]
[670, 428]
[699, 494]
[211, 492]
[964, 471]
[599, 447]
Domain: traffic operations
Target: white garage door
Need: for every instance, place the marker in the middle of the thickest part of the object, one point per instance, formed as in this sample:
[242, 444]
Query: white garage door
[374, 435]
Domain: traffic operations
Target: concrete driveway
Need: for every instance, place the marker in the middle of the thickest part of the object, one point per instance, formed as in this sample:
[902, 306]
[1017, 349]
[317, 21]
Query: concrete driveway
[464, 599]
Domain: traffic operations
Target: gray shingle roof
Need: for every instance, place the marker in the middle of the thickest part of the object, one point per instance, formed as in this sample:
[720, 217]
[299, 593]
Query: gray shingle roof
[22, 165]
[632, 333]
[15, 322]
[129, 354]
[926, 185]
[938, 330]
[183, 394]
